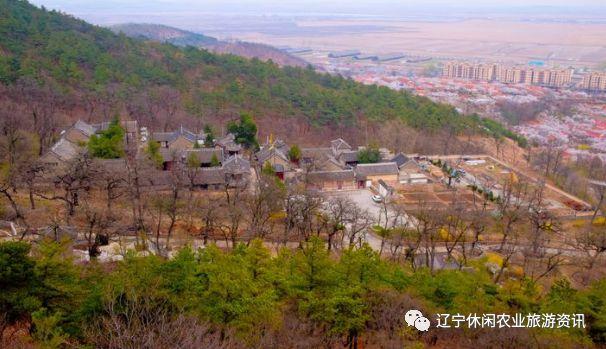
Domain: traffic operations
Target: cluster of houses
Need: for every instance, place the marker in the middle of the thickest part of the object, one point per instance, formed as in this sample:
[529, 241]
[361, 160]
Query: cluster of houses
[73, 140]
[223, 162]
[337, 167]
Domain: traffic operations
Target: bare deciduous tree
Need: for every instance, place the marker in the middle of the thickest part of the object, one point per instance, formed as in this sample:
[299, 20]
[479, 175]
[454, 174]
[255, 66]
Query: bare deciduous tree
[98, 222]
[72, 181]
[168, 100]
[550, 158]
[591, 241]
[43, 103]
[233, 212]
[336, 216]
[209, 210]
[427, 223]
[358, 221]
[136, 170]
[543, 223]
[512, 209]
[113, 182]
[145, 323]
[167, 204]
[539, 268]
[265, 200]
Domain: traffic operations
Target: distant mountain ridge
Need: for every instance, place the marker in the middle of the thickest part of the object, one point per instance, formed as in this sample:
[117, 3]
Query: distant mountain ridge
[55, 69]
[180, 37]
[164, 33]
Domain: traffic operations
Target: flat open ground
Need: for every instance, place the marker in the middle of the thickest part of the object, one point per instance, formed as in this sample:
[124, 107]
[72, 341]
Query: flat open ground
[500, 40]
[434, 195]
[492, 174]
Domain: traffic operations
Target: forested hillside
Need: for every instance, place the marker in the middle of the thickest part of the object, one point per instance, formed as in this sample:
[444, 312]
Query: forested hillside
[179, 37]
[141, 252]
[90, 72]
[163, 33]
[248, 299]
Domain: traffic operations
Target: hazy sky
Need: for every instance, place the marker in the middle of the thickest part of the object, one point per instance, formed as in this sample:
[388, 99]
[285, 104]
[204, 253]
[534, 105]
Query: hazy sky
[205, 15]
[318, 6]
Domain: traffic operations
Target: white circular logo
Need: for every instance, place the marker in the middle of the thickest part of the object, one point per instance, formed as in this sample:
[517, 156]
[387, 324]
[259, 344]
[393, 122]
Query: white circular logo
[411, 316]
[422, 324]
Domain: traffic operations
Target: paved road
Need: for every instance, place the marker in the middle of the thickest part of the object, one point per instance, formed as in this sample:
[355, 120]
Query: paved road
[363, 198]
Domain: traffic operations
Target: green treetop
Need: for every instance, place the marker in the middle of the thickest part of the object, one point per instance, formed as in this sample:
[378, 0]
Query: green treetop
[294, 153]
[17, 280]
[209, 139]
[245, 131]
[110, 143]
[214, 161]
[193, 161]
[268, 169]
[369, 155]
[153, 153]
[85, 60]
[245, 291]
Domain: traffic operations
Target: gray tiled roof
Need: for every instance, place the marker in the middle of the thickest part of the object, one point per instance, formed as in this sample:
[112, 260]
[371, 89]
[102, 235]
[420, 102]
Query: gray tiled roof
[236, 164]
[158, 178]
[114, 166]
[190, 136]
[349, 156]
[228, 138]
[314, 152]
[228, 142]
[340, 145]
[320, 158]
[213, 175]
[320, 176]
[410, 165]
[268, 152]
[381, 168]
[400, 159]
[167, 154]
[204, 155]
[130, 126]
[162, 136]
[85, 128]
[172, 136]
[65, 149]
[281, 145]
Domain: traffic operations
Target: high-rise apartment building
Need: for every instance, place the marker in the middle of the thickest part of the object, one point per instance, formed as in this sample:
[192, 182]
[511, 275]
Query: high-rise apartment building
[508, 75]
[594, 82]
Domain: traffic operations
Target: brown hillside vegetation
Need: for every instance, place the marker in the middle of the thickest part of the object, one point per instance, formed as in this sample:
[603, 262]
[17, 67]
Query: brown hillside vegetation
[211, 201]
